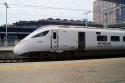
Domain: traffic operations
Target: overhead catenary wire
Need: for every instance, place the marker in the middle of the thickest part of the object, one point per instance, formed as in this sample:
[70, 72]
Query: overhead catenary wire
[47, 7]
[36, 7]
[22, 14]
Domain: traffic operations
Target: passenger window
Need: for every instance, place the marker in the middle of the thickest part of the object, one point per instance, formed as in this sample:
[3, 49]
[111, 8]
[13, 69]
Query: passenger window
[101, 38]
[98, 33]
[124, 38]
[41, 34]
[115, 38]
[54, 35]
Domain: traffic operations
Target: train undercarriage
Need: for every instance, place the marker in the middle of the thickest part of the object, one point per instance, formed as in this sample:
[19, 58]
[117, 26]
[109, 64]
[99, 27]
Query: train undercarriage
[9, 57]
[78, 54]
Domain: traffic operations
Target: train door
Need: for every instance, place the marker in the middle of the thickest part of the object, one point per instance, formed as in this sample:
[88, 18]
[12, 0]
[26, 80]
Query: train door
[54, 40]
[81, 40]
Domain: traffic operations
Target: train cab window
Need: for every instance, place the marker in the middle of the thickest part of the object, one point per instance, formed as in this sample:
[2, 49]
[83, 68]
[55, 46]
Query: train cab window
[54, 35]
[41, 34]
[115, 38]
[101, 38]
[124, 38]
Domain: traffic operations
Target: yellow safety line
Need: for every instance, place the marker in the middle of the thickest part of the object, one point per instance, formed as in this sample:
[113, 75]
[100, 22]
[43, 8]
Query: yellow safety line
[16, 68]
[61, 65]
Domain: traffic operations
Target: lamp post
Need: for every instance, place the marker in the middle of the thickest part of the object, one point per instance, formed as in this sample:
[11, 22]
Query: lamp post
[6, 42]
[86, 13]
[105, 24]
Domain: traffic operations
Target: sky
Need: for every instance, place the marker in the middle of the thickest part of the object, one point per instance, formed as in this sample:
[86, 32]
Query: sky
[38, 9]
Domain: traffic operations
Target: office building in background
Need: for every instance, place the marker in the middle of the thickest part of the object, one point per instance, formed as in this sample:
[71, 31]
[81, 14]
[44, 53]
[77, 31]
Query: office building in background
[115, 17]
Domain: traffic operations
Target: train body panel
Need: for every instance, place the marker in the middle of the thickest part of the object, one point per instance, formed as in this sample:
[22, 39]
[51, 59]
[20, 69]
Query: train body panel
[69, 38]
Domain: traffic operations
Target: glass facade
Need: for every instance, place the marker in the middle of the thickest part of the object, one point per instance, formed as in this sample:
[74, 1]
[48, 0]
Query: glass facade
[121, 11]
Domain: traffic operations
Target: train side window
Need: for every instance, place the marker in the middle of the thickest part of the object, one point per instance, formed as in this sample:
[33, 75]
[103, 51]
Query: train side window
[102, 38]
[41, 34]
[54, 35]
[124, 38]
[115, 38]
[98, 33]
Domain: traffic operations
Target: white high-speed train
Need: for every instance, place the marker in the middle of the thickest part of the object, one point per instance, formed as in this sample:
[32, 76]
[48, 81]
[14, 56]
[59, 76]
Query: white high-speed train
[57, 39]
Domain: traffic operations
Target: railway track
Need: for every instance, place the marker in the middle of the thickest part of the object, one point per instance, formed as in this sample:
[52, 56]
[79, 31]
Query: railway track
[26, 60]
[20, 60]
[16, 60]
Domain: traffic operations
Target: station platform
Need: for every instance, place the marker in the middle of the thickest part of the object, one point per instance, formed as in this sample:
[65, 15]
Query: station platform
[6, 48]
[111, 70]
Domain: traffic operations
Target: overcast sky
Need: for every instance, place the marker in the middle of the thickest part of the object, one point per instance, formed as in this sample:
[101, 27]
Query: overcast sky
[16, 13]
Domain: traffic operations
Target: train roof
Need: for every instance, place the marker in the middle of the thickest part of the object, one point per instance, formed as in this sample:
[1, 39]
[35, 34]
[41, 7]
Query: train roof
[77, 28]
[67, 27]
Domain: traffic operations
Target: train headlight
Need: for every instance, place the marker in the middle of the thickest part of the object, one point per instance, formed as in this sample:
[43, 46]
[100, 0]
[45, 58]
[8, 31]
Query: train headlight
[19, 47]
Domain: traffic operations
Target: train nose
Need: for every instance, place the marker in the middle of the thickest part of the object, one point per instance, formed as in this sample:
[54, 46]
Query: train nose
[15, 50]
